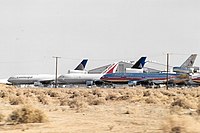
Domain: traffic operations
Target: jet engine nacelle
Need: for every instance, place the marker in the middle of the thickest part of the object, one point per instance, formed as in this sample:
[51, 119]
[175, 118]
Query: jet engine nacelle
[89, 83]
[132, 83]
[38, 84]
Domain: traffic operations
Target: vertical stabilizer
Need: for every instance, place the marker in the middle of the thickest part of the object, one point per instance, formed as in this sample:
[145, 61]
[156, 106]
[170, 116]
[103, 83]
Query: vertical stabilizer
[82, 65]
[140, 63]
[111, 69]
[189, 62]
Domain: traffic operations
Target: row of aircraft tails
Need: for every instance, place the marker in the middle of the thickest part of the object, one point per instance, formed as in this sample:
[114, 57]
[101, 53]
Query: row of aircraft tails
[137, 74]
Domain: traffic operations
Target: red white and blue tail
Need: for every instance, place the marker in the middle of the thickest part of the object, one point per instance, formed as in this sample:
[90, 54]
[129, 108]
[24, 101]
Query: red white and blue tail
[111, 69]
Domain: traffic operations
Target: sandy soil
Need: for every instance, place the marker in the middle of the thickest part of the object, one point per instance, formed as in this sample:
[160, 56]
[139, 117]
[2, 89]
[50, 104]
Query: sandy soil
[95, 110]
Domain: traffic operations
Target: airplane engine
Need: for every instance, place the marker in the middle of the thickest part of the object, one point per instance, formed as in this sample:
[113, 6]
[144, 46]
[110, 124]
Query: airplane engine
[38, 84]
[89, 83]
[132, 83]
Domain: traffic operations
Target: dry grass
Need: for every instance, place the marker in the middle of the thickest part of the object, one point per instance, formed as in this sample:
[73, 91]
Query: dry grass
[64, 101]
[77, 103]
[186, 99]
[16, 100]
[184, 103]
[1, 117]
[27, 114]
[180, 124]
[176, 101]
[93, 100]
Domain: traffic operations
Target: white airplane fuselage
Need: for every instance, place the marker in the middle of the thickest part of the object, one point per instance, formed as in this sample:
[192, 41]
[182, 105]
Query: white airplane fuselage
[78, 78]
[31, 79]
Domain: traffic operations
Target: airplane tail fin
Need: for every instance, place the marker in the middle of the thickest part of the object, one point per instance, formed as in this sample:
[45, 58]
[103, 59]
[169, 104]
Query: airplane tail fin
[140, 63]
[111, 69]
[190, 61]
[82, 65]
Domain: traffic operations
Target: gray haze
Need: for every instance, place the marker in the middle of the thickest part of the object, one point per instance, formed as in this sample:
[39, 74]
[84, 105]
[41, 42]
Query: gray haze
[104, 31]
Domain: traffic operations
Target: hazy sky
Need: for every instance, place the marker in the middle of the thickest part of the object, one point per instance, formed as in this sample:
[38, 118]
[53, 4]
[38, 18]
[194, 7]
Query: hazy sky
[104, 31]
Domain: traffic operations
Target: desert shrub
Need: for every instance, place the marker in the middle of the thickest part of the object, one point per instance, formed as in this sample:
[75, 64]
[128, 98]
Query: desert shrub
[111, 96]
[146, 93]
[152, 99]
[3, 93]
[43, 99]
[77, 103]
[64, 101]
[52, 93]
[94, 100]
[1, 117]
[136, 99]
[182, 102]
[18, 93]
[124, 97]
[16, 100]
[27, 114]
[198, 109]
[176, 110]
[97, 92]
[168, 93]
[177, 124]
[75, 94]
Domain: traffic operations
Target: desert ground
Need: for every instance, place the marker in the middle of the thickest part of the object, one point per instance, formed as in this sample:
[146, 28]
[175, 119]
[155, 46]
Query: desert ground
[99, 110]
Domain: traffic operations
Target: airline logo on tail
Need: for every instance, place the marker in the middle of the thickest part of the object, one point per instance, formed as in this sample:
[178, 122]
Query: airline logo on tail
[190, 61]
[82, 65]
[111, 69]
[140, 63]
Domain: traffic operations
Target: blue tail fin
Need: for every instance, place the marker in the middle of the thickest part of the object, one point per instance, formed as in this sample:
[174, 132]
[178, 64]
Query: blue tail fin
[140, 63]
[82, 65]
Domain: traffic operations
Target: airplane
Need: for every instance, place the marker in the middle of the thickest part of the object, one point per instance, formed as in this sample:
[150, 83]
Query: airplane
[187, 66]
[90, 78]
[138, 78]
[37, 80]
[179, 76]
[42, 79]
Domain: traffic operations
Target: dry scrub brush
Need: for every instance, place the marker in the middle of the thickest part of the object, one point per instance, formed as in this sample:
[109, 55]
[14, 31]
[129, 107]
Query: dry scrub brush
[184, 103]
[16, 100]
[27, 114]
[64, 101]
[95, 100]
[180, 124]
[3, 94]
[43, 99]
[1, 117]
[77, 103]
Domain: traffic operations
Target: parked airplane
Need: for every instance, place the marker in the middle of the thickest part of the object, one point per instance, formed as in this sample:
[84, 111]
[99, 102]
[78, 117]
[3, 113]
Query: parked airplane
[157, 78]
[138, 78]
[88, 79]
[187, 66]
[42, 79]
